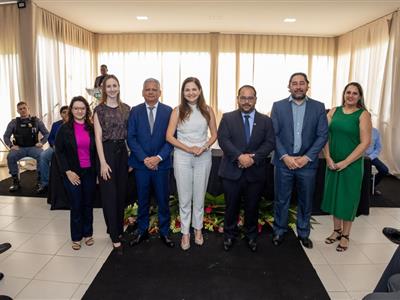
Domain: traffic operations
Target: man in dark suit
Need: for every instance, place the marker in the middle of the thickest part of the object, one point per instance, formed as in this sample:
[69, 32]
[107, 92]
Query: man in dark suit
[246, 137]
[301, 131]
[151, 159]
[99, 79]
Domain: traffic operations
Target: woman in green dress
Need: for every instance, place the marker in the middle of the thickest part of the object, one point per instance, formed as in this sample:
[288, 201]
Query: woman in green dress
[349, 137]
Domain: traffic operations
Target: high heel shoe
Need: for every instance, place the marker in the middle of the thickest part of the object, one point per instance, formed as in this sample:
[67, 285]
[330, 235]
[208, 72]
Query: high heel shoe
[198, 237]
[185, 245]
[341, 248]
[330, 239]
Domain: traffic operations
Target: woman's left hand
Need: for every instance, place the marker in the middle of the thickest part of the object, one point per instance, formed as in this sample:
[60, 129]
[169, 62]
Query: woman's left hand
[341, 165]
[200, 151]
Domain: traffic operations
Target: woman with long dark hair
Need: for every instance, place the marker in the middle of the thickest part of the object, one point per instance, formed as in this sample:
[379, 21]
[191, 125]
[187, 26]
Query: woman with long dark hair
[192, 156]
[76, 155]
[110, 126]
[349, 137]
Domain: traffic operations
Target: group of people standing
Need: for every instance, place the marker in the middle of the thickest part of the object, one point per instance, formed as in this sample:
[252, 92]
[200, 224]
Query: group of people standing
[143, 138]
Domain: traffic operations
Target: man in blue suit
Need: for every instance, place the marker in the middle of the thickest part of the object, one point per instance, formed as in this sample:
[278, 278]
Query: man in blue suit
[301, 131]
[246, 137]
[151, 159]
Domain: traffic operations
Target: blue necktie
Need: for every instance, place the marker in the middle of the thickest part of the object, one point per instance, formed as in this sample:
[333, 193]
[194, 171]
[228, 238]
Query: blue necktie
[247, 128]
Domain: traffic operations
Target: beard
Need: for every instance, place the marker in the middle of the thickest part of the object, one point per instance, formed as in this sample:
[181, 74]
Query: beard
[299, 96]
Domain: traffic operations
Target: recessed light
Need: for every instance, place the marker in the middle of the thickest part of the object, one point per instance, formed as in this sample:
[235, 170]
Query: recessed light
[142, 18]
[289, 20]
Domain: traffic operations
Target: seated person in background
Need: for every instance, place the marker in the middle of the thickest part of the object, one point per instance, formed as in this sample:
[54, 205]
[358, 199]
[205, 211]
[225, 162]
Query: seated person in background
[46, 155]
[373, 152]
[25, 131]
[99, 79]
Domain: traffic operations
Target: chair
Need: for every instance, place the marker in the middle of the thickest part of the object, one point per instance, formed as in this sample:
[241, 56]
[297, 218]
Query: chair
[374, 171]
[23, 163]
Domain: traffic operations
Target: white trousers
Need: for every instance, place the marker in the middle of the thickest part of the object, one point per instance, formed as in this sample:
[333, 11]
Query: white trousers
[191, 174]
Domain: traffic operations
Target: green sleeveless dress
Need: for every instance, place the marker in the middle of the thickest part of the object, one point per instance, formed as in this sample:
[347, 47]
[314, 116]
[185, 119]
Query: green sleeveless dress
[343, 188]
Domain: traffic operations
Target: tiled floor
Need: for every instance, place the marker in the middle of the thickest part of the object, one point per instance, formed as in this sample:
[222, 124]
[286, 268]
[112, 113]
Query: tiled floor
[42, 265]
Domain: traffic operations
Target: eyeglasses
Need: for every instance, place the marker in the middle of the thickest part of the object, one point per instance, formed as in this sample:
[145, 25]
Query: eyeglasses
[244, 99]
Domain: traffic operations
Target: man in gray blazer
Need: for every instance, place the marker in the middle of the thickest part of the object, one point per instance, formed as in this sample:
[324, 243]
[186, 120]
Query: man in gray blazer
[301, 131]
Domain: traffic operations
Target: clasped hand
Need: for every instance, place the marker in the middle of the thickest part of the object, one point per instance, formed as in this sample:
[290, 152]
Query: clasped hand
[295, 162]
[152, 162]
[196, 151]
[245, 160]
[336, 166]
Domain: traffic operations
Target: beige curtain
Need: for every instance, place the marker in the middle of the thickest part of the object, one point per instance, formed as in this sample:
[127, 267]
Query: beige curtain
[368, 55]
[267, 61]
[66, 60]
[223, 62]
[361, 55]
[389, 109]
[10, 83]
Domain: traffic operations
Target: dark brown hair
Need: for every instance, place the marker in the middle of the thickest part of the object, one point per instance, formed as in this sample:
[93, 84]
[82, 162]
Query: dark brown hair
[184, 108]
[299, 74]
[360, 103]
[88, 115]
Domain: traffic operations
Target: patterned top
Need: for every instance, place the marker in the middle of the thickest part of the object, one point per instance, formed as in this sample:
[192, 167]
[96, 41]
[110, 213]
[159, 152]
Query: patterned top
[113, 121]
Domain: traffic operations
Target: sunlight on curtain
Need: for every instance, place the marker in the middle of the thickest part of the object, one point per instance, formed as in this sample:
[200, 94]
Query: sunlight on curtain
[64, 72]
[9, 64]
[362, 55]
[170, 68]
[65, 56]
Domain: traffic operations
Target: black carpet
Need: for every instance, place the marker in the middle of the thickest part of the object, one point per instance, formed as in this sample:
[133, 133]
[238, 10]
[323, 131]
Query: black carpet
[153, 271]
[390, 193]
[28, 185]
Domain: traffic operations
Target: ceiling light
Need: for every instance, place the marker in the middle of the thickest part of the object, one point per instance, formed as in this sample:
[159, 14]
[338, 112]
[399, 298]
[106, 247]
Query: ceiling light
[289, 20]
[142, 18]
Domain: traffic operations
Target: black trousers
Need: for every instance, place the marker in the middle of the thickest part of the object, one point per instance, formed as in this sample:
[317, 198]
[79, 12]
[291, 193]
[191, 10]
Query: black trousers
[113, 192]
[235, 191]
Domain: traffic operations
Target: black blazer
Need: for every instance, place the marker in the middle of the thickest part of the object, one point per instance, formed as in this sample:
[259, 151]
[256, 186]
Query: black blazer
[232, 140]
[66, 150]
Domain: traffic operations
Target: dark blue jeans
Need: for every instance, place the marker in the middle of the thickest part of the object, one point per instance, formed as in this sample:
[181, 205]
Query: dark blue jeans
[305, 184]
[81, 202]
[382, 170]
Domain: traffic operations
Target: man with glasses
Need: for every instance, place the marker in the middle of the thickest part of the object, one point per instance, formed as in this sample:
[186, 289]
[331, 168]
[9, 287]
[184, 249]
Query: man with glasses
[246, 137]
[301, 131]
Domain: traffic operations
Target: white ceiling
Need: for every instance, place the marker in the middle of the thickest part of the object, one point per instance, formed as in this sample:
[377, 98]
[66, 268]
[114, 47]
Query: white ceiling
[314, 18]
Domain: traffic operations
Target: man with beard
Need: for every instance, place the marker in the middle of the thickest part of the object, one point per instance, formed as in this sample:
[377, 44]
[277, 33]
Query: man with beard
[246, 137]
[301, 131]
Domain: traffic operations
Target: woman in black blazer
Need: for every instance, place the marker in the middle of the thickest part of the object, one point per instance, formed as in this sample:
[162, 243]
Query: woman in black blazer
[76, 152]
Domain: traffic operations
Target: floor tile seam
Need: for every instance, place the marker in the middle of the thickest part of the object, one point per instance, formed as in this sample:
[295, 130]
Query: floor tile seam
[20, 291]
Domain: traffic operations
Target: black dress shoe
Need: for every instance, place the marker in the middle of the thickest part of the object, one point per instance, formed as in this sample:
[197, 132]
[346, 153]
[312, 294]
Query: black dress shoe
[306, 242]
[1, 276]
[277, 239]
[138, 238]
[252, 245]
[392, 234]
[167, 241]
[16, 185]
[118, 250]
[228, 244]
[4, 247]
[42, 189]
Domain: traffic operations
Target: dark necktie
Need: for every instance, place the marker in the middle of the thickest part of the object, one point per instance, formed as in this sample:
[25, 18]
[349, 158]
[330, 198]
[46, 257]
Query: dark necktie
[151, 119]
[247, 128]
